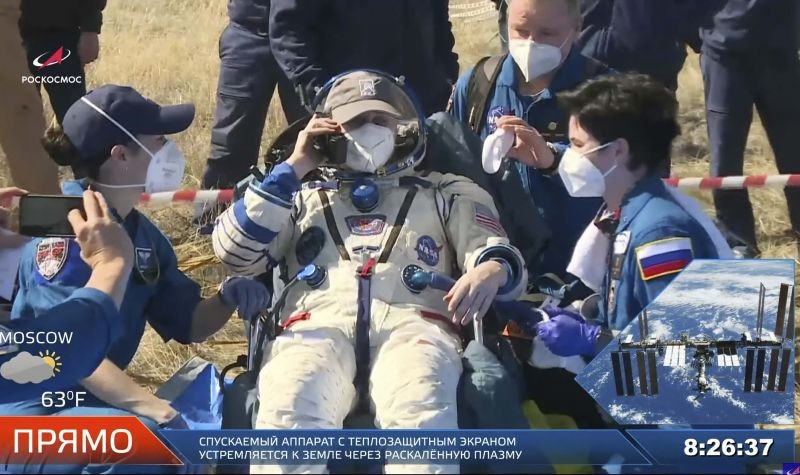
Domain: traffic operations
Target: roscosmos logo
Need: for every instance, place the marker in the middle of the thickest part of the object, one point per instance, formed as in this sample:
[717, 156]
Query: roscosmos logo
[57, 57]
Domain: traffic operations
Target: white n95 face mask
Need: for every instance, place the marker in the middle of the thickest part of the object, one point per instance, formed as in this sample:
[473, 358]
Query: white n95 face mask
[165, 171]
[166, 167]
[535, 59]
[581, 178]
[369, 147]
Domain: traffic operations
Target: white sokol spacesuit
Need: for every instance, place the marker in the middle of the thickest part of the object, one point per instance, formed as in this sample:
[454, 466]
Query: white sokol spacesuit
[369, 235]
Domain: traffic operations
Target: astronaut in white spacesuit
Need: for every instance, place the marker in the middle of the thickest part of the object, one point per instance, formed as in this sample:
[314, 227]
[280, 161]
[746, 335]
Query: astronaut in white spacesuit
[362, 330]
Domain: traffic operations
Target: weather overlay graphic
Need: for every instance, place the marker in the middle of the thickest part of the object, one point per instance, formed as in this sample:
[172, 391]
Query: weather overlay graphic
[27, 368]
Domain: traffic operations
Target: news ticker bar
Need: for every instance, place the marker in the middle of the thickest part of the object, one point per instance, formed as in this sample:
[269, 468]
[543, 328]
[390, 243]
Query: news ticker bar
[511, 447]
[126, 440]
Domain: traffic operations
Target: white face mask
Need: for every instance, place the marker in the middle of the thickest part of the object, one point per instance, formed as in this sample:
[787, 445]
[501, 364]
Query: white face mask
[581, 178]
[535, 59]
[166, 168]
[369, 147]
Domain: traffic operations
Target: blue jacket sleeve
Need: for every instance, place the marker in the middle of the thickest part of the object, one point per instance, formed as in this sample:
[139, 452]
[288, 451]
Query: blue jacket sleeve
[89, 322]
[294, 43]
[171, 309]
[646, 290]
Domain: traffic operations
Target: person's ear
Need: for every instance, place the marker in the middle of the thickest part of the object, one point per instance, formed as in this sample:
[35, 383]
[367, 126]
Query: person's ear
[622, 151]
[120, 153]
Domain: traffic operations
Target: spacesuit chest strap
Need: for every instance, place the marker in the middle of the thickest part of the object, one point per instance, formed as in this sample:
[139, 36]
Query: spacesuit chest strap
[363, 318]
[398, 225]
[330, 220]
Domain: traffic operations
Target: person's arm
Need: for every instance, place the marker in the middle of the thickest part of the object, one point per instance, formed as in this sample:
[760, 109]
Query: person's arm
[492, 267]
[293, 26]
[112, 386]
[90, 15]
[91, 20]
[255, 232]
[91, 314]
[92, 320]
[660, 255]
[478, 237]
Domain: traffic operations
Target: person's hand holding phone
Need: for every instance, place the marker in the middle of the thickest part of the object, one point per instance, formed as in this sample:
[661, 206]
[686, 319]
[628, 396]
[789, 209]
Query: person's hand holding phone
[305, 157]
[102, 240]
[105, 246]
[9, 240]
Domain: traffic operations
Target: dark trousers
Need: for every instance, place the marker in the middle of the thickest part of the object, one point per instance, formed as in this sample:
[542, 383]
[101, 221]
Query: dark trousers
[39, 48]
[247, 80]
[733, 84]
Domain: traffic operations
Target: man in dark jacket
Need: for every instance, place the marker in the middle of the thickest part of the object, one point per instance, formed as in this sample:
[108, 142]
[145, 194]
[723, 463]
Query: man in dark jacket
[642, 35]
[749, 57]
[314, 40]
[248, 77]
[60, 37]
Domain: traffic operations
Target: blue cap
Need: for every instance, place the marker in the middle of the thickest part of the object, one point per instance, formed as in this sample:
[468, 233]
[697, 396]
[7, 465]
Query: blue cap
[93, 134]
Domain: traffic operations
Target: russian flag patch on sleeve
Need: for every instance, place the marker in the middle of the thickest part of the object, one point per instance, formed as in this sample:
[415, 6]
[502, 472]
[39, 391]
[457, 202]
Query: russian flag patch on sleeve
[664, 257]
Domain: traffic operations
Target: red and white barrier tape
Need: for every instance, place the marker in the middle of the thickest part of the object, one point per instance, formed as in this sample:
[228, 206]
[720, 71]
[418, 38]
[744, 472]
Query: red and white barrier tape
[735, 182]
[210, 197]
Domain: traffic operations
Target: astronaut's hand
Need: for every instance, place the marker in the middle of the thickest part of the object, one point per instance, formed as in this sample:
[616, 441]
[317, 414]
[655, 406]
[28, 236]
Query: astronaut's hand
[305, 158]
[248, 295]
[473, 294]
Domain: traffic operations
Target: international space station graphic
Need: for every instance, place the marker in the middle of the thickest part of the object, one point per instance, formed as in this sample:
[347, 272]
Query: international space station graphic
[767, 352]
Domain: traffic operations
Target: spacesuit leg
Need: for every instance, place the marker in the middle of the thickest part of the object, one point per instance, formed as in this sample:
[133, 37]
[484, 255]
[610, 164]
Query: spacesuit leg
[414, 382]
[307, 383]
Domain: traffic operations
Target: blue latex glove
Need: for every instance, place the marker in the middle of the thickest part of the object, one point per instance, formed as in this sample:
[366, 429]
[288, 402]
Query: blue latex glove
[553, 312]
[566, 335]
[248, 295]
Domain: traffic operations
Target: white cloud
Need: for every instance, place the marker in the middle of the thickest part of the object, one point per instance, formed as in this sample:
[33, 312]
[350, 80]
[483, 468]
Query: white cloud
[26, 368]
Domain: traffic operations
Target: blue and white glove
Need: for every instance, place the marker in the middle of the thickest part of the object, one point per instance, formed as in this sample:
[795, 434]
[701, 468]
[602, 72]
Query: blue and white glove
[567, 333]
[248, 295]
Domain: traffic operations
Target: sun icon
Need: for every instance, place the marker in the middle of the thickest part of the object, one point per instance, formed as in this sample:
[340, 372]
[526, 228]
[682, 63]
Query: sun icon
[51, 359]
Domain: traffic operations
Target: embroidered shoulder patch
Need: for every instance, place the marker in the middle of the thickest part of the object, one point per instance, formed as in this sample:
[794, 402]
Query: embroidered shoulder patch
[51, 255]
[485, 218]
[664, 257]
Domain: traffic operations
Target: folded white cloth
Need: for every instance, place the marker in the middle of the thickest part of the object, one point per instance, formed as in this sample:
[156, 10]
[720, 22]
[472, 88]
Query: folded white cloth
[495, 148]
[588, 261]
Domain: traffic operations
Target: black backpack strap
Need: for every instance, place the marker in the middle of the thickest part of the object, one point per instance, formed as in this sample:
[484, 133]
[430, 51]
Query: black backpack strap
[479, 89]
[594, 68]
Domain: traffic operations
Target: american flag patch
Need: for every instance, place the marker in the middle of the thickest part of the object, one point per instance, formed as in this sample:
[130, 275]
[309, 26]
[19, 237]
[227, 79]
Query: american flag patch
[664, 257]
[486, 219]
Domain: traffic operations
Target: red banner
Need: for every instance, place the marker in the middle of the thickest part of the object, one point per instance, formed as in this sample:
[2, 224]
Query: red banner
[81, 440]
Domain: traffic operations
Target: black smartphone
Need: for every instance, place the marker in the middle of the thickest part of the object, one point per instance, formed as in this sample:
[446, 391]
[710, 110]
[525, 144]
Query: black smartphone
[332, 146]
[46, 215]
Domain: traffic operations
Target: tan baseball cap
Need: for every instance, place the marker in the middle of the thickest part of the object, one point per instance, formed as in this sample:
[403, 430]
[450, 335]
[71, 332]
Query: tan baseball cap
[362, 91]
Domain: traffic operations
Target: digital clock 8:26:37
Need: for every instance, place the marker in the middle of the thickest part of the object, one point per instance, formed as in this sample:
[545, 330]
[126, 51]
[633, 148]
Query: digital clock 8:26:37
[727, 448]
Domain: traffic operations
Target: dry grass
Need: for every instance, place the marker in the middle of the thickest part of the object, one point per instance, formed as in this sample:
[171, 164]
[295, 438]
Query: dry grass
[167, 49]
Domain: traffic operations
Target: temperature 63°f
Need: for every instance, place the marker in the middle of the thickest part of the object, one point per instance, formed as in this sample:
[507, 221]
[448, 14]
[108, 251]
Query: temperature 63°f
[60, 399]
